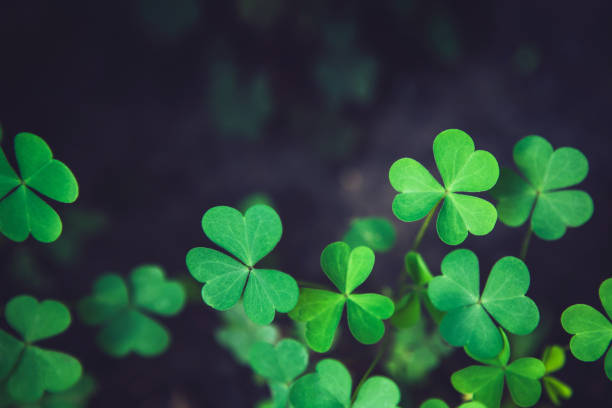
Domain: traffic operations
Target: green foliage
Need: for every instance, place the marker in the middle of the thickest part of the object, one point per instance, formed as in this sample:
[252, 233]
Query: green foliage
[408, 308]
[249, 238]
[330, 387]
[377, 233]
[239, 333]
[438, 403]
[322, 309]
[76, 396]
[238, 109]
[545, 173]
[554, 360]
[468, 319]
[124, 312]
[592, 331]
[486, 382]
[29, 370]
[22, 211]
[463, 169]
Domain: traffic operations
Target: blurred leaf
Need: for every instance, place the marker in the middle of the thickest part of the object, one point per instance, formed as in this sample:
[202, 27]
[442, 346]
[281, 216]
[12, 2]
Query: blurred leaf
[377, 233]
[260, 13]
[444, 38]
[280, 363]
[527, 59]
[168, 20]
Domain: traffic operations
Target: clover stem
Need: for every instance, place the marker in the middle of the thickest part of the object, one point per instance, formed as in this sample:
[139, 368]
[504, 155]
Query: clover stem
[525, 244]
[421, 233]
[381, 351]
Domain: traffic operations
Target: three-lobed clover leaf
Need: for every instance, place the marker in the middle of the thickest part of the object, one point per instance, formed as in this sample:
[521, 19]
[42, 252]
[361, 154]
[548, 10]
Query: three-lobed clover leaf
[249, 238]
[280, 365]
[376, 233]
[322, 310]
[330, 387]
[29, 370]
[554, 360]
[545, 173]
[592, 331]
[468, 319]
[22, 211]
[408, 308]
[486, 382]
[124, 312]
[438, 403]
[463, 169]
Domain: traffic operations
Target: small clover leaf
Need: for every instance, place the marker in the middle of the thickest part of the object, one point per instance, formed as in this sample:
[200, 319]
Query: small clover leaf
[281, 363]
[125, 312]
[544, 174]
[468, 319]
[408, 308]
[554, 360]
[29, 370]
[330, 387]
[486, 382]
[376, 233]
[438, 403]
[249, 237]
[463, 169]
[592, 331]
[22, 211]
[322, 309]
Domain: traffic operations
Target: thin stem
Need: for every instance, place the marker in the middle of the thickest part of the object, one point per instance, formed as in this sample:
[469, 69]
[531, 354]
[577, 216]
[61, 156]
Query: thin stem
[381, 351]
[419, 236]
[525, 244]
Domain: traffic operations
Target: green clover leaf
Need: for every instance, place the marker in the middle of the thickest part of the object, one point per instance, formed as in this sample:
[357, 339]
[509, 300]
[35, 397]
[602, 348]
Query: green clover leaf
[463, 169]
[281, 363]
[22, 211]
[554, 360]
[545, 173]
[330, 387]
[468, 319]
[592, 331]
[486, 382]
[76, 396]
[29, 370]
[408, 308]
[376, 233]
[125, 312]
[322, 309]
[438, 403]
[249, 238]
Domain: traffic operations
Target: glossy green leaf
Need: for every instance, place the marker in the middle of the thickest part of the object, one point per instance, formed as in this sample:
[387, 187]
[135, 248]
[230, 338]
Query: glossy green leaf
[8, 178]
[281, 363]
[249, 238]
[467, 322]
[463, 169]
[523, 377]
[124, 312]
[378, 392]
[377, 233]
[546, 171]
[36, 321]
[322, 310]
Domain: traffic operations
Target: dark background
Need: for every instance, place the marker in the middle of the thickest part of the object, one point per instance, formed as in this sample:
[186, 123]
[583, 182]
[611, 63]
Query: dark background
[121, 92]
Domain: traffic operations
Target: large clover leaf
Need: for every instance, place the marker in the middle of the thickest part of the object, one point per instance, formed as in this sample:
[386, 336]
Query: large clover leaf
[438, 403]
[463, 169]
[29, 370]
[330, 387]
[486, 382]
[554, 360]
[468, 320]
[22, 211]
[322, 309]
[124, 312]
[249, 238]
[545, 173]
[591, 329]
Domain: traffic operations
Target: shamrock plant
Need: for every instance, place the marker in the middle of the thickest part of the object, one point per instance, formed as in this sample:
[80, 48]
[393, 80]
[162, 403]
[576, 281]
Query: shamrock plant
[463, 169]
[29, 370]
[124, 311]
[322, 310]
[438, 403]
[468, 319]
[592, 331]
[330, 387]
[540, 193]
[554, 360]
[249, 238]
[486, 382]
[22, 211]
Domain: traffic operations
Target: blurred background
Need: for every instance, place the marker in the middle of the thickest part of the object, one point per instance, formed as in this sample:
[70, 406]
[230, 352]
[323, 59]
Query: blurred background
[165, 108]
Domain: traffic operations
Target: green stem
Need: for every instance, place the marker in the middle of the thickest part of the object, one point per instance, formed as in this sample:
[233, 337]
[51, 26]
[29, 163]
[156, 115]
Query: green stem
[381, 351]
[525, 244]
[419, 236]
